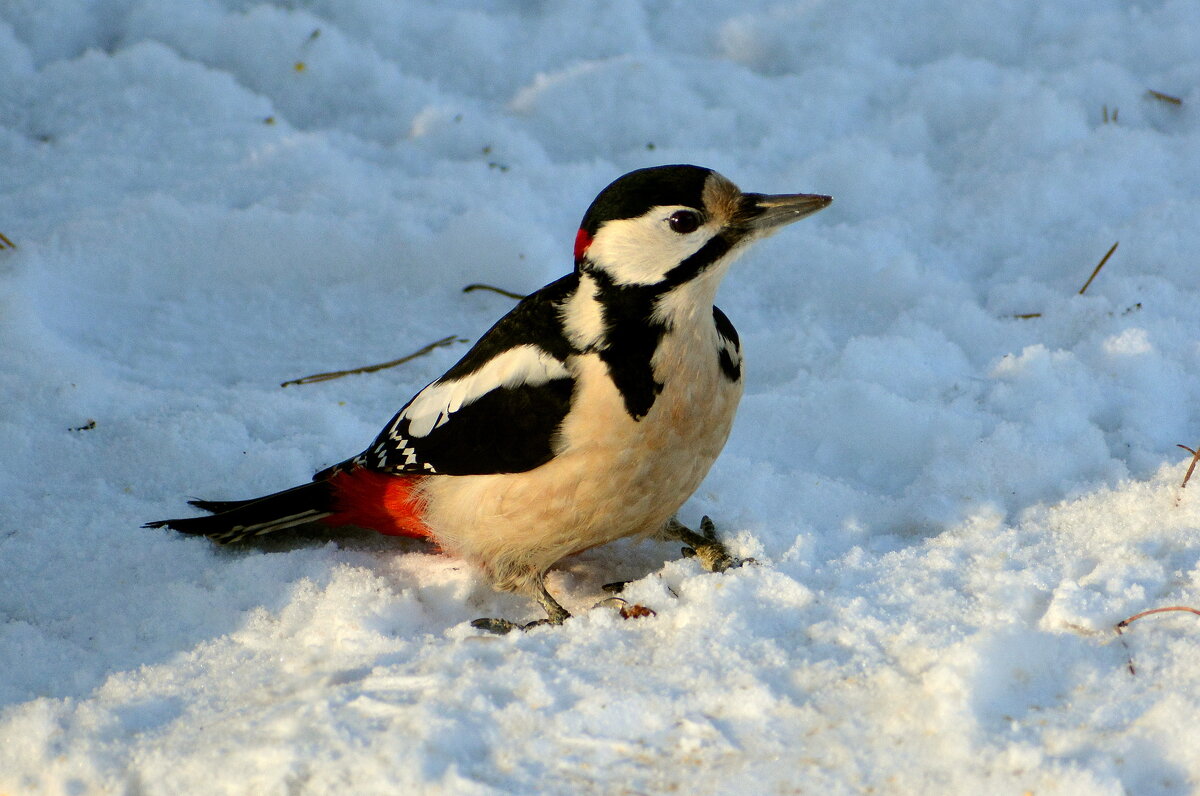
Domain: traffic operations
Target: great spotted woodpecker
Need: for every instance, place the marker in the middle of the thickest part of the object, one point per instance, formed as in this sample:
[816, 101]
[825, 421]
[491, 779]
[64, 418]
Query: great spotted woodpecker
[588, 413]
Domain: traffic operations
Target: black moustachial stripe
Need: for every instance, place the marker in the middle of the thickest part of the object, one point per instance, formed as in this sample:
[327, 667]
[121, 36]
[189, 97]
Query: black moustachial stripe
[632, 336]
[716, 248]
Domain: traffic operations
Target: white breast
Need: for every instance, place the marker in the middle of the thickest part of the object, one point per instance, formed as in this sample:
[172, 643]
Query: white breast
[613, 476]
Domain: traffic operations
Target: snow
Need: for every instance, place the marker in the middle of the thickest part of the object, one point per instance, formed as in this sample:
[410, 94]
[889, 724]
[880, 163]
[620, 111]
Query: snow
[951, 506]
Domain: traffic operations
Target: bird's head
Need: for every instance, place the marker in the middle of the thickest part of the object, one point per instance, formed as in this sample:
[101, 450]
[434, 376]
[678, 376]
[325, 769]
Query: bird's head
[668, 225]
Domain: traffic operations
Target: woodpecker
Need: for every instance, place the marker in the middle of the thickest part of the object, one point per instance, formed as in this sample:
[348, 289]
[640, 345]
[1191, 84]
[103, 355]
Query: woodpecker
[588, 413]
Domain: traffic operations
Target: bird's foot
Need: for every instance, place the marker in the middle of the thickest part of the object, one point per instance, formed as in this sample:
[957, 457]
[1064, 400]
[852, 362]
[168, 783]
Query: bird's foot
[555, 615]
[501, 627]
[704, 546]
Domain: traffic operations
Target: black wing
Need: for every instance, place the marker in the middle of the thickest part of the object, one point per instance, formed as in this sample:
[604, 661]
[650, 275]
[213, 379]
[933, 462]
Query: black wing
[498, 409]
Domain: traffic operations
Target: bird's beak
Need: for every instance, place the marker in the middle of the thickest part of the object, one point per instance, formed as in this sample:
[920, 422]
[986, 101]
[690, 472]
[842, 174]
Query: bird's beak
[766, 213]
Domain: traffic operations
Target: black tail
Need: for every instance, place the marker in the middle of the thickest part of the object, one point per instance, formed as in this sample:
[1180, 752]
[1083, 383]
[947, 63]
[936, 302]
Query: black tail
[236, 520]
[218, 506]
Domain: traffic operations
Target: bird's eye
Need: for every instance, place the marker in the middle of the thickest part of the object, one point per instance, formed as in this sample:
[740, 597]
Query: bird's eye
[684, 221]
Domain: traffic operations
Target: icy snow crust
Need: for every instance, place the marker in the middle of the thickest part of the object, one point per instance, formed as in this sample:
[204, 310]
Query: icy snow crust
[951, 506]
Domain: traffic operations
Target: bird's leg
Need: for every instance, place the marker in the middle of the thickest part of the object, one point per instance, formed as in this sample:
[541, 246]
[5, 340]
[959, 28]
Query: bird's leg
[555, 613]
[703, 545]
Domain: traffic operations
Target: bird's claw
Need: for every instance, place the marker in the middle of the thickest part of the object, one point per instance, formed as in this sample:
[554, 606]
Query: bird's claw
[708, 548]
[703, 545]
[501, 627]
[497, 626]
[714, 557]
[555, 614]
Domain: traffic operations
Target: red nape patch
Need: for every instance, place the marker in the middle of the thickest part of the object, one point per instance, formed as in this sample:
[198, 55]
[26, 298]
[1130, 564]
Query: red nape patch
[381, 502]
[582, 241]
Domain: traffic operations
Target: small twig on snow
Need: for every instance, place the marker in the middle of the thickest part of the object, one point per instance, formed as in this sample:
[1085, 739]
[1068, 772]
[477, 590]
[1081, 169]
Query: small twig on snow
[480, 286]
[337, 374]
[1191, 467]
[5, 243]
[1124, 623]
[1103, 260]
[1158, 95]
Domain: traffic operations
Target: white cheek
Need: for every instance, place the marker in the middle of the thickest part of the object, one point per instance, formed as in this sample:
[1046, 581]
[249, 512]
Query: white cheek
[640, 251]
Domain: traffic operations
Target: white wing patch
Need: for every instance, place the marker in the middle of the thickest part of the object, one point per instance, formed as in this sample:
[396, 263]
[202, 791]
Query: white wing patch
[525, 364]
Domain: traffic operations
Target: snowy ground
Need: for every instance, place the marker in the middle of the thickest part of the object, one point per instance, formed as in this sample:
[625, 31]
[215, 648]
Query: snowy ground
[952, 506]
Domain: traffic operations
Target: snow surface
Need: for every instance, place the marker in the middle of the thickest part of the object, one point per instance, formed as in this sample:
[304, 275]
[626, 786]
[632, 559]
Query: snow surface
[951, 505]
